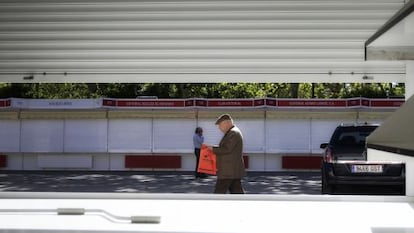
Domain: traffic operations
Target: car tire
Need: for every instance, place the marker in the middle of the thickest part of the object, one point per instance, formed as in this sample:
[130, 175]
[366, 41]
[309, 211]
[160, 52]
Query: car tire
[326, 188]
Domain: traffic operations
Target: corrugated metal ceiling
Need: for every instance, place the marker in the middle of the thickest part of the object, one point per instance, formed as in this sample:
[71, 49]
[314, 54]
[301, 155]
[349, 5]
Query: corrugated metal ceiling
[192, 41]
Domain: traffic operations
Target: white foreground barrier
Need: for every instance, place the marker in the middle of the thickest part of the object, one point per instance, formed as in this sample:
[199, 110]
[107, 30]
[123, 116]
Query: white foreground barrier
[104, 212]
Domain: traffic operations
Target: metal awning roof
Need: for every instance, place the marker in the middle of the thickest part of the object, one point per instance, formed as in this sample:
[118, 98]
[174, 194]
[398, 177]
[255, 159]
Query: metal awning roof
[193, 41]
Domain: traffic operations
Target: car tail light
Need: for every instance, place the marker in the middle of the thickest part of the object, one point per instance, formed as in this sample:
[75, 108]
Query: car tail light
[328, 155]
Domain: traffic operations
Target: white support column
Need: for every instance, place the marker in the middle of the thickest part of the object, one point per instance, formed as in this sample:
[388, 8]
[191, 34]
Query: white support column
[409, 79]
[409, 91]
[409, 177]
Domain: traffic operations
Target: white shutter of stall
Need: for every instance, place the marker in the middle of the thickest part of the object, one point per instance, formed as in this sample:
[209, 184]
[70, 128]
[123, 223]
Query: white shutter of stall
[253, 135]
[212, 135]
[130, 135]
[287, 136]
[9, 136]
[42, 136]
[85, 135]
[173, 135]
[192, 40]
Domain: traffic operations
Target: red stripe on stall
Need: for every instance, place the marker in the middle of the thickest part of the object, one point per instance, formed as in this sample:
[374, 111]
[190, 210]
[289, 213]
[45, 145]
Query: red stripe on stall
[153, 161]
[246, 161]
[301, 162]
[3, 160]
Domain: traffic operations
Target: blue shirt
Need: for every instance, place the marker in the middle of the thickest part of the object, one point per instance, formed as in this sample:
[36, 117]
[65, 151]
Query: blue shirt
[198, 140]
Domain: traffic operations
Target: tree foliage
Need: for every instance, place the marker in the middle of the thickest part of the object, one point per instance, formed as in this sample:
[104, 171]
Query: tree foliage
[200, 90]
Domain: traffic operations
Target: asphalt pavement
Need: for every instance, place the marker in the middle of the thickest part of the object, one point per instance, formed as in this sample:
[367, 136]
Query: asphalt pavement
[291, 182]
[153, 182]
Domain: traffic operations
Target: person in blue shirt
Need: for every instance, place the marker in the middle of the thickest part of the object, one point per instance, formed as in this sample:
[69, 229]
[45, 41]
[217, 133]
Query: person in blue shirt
[198, 140]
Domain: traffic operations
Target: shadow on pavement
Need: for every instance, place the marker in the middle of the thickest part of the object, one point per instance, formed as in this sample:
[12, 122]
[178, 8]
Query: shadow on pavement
[153, 182]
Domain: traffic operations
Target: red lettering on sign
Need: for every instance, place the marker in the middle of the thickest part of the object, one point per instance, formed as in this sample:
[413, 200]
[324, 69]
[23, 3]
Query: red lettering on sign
[386, 103]
[150, 103]
[201, 103]
[260, 102]
[270, 102]
[365, 102]
[5, 103]
[189, 103]
[107, 102]
[230, 103]
[354, 102]
[311, 103]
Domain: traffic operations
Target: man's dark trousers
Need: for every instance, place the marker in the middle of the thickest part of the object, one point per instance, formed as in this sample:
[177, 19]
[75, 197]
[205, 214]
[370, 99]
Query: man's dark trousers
[232, 185]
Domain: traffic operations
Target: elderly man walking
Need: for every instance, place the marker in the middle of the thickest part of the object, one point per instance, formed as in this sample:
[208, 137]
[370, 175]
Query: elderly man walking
[230, 164]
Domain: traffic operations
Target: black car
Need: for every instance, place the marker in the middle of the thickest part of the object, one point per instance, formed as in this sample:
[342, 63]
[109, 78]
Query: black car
[345, 161]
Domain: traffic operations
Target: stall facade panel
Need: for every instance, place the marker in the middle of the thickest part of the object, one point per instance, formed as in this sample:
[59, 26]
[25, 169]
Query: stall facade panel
[173, 135]
[287, 136]
[85, 135]
[253, 134]
[42, 136]
[130, 135]
[9, 136]
[212, 135]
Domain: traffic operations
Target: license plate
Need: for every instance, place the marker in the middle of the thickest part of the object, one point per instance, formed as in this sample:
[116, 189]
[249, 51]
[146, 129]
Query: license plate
[366, 168]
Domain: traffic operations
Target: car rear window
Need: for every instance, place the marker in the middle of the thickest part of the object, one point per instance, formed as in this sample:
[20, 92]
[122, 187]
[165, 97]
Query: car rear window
[351, 136]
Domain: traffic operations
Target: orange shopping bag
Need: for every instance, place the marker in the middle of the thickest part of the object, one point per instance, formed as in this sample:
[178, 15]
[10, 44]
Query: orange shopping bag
[207, 163]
